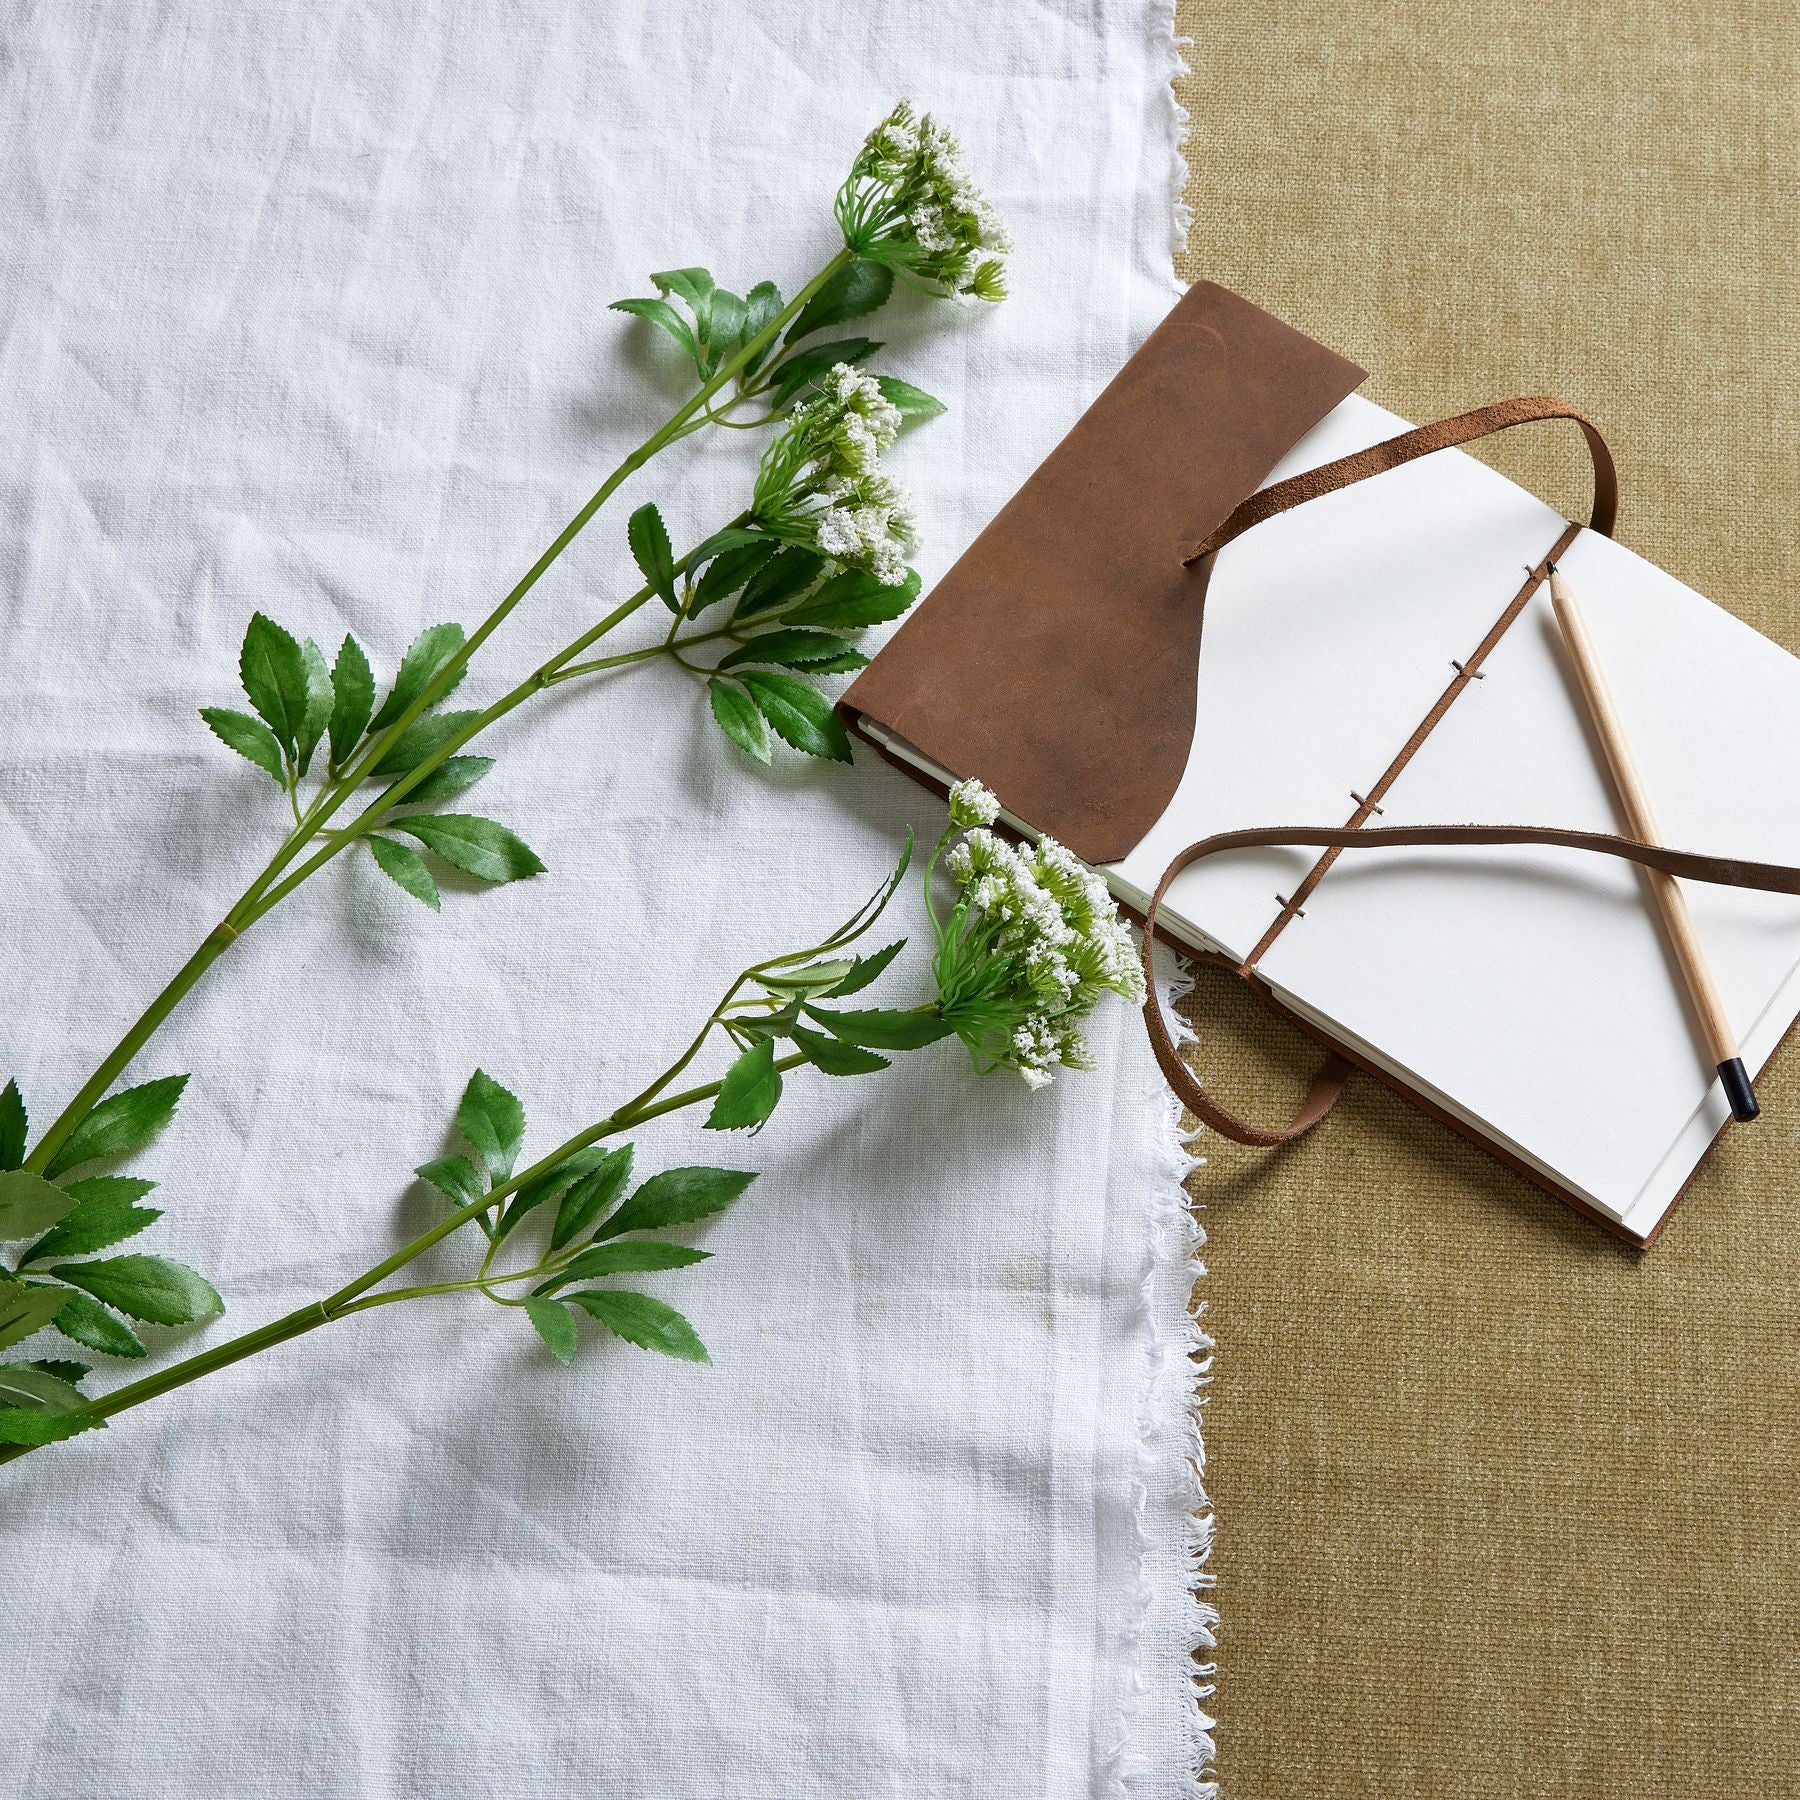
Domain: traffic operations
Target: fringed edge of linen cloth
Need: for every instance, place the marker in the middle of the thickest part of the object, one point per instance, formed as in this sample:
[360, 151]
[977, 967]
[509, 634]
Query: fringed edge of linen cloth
[1171, 47]
[1176, 1622]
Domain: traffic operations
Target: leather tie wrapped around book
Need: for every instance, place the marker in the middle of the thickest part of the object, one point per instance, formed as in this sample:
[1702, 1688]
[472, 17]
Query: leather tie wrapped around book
[1328, 1084]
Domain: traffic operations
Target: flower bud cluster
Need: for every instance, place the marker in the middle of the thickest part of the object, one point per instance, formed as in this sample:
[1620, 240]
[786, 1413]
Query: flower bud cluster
[909, 203]
[821, 482]
[1035, 940]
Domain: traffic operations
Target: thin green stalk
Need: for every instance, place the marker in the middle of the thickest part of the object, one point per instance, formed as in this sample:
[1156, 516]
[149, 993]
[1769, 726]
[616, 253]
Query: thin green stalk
[625, 658]
[652, 1103]
[269, 887]
[351, 1298]
[557, 668]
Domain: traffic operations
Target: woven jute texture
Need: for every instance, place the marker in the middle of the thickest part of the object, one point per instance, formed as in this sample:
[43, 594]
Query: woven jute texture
[1505, 1507]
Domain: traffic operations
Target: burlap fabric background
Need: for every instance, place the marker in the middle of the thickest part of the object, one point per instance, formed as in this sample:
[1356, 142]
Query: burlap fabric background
[1507, 1509]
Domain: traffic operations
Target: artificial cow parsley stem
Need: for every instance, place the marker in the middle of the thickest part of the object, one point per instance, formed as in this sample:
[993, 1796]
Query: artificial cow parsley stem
[1030, 944]
[259, 898]
[492, 1118]
[817, 557]
[907, 208]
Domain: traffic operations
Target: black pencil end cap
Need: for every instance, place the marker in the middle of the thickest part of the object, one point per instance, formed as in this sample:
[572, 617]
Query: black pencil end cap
[1736, 1080]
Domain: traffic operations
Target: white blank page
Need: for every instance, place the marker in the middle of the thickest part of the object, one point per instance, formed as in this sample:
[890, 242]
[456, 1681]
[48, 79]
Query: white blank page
[1329, 633]
[1532, 987]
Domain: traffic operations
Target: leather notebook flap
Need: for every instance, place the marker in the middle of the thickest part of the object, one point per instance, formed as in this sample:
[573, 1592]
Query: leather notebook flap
[1057, 661]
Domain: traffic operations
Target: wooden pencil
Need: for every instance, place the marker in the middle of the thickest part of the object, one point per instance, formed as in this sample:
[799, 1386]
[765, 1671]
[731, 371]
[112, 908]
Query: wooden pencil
[1640, 821]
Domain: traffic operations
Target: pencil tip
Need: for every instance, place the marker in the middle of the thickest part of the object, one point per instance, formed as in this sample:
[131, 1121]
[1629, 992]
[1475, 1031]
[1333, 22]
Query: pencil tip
[1549, 565]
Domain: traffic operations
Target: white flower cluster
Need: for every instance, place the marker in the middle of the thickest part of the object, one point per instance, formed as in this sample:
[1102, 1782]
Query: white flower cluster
[910, 203]
[1050, 920]
[973, 804]
[822, 482]
[852, 420]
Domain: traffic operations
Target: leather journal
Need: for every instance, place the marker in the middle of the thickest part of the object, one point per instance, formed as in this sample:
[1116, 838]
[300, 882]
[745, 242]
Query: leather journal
[1237, 594]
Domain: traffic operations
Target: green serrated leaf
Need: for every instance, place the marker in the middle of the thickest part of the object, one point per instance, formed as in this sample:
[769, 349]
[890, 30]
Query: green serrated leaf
[761, 305]
[592, 1196]
[555, 1325]
[30, 1204]
[455, 1177]
[854, 599]
[790, 572]
[815, 651]
[725, 318]
[733, 537]
[649, 539]
[739, 718]
[552, 1184]
[751, 1088]
[728, 571]
[882, 1028]
[639, 1256]
[676, 1196]
[866, 969]
[127, 1121]
[105, 1212]
[846, 662]
[86, 1322]
[454, 775]
[642, 1321]
[492, 1123]
[18, 1426]
[859, 287]
[660, 313]
[404, 866]
[803, 367]
[695, 286]
[352, 698]
[320, 700]
[909, 401]
[833, 1056]
[249, 737]
[151, 1288]
[14, 1126]
[478, 847]
[29, 1387]
[811, 978]
[24, 1310]
[872, 908]
[273, 671]
[72, 1372]
[800, 714]
[427, 654]
[424, 735]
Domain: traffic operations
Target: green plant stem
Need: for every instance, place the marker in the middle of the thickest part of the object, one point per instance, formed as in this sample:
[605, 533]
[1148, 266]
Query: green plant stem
[669, 647]
[654, 1102]
[270, 888]
[545, 676]
[356, 1296]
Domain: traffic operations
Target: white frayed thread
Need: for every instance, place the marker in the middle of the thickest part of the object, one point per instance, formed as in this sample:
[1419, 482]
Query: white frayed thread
[1176, 124]
[1176, 1623]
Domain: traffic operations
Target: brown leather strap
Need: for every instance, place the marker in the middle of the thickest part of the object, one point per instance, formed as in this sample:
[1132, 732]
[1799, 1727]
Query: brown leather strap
[1721, 871]
[1502, 415]
[1445, 434]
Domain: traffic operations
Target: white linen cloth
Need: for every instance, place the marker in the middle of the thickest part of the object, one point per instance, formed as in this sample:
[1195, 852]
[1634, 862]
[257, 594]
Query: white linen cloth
[302, 309]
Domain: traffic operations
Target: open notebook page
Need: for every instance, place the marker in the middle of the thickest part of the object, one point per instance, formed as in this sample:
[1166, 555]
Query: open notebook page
[1530, 988]
[1527, 991]
[1329, 633]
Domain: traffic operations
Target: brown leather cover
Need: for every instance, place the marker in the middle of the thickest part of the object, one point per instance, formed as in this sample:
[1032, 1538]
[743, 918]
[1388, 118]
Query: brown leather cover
[1058, 660]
